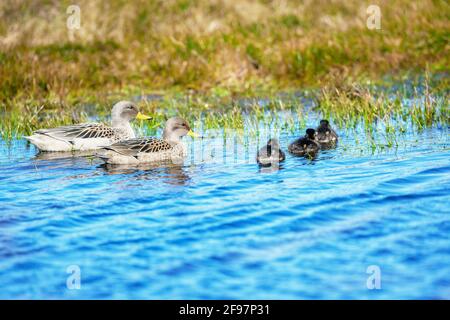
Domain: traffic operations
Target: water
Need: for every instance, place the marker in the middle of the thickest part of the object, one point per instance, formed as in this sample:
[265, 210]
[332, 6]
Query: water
[219, 227]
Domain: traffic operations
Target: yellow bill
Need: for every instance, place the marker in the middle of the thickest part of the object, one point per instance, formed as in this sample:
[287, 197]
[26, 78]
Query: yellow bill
[141, 116]
[193, 134]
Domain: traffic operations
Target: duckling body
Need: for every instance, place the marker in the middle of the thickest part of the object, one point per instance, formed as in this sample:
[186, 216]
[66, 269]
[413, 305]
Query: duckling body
[270, 154]
[305, 146]
[150, 150]
[89, 136]
[325, 135]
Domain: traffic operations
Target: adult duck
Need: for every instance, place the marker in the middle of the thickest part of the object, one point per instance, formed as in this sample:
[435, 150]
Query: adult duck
[90, 136]
[150, 150]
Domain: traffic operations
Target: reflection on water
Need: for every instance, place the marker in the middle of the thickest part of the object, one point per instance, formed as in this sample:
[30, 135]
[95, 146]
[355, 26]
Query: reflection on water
[219, 226]
[271, 169]
[62, 155]
[165, 171]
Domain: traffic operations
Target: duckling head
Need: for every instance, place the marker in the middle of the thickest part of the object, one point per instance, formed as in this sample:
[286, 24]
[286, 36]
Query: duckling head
[273, 143]
[125, 111]
[311, 133]
[324, 126]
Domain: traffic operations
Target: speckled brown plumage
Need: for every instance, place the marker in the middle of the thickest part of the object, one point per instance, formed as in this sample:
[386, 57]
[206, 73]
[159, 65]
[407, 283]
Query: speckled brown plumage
[85, 131]
[134, 146]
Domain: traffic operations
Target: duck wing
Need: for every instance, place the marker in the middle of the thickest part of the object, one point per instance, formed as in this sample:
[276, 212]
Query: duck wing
[132, 147]
[79, 131]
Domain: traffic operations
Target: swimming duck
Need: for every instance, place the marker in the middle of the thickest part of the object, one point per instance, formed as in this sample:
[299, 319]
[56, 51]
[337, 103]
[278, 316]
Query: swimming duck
[89, 136]
[305, 146]
[326, 136]
[149, 150]
[270, 154]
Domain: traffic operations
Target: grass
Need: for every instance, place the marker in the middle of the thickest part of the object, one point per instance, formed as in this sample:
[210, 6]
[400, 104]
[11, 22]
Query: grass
[203, 56]
[352, 104]
[387, 113]
[396, 109]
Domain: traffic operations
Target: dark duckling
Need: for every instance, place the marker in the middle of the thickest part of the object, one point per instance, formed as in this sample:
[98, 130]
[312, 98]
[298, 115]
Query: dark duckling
[305, 146]
[326, 136]
[270, 154]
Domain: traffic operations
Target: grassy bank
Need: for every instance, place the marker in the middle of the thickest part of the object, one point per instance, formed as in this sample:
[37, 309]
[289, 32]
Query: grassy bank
[397, 107]
[210, 51]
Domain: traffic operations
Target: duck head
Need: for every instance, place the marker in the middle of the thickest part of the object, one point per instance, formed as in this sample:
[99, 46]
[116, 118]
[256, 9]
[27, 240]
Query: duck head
[125, 111]
[176, 128]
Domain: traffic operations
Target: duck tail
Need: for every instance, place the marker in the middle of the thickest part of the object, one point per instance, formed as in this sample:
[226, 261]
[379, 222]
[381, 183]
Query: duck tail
[36, 140]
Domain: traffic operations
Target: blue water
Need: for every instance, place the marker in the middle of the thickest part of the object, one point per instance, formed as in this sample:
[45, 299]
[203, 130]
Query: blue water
[219, 227]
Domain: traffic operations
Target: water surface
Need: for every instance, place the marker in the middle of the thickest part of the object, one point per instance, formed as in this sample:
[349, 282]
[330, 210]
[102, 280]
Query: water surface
[220, 227]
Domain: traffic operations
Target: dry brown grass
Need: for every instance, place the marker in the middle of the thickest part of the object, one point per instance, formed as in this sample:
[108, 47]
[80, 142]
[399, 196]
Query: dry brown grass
[238, 45]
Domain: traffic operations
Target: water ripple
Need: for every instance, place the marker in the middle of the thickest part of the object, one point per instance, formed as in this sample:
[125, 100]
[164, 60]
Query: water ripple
[229, 230]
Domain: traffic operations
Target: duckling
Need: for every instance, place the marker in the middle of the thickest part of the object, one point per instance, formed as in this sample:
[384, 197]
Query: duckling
[89, 136]
[326, 136]
[151, 150]
[270, 154]
[305, 146]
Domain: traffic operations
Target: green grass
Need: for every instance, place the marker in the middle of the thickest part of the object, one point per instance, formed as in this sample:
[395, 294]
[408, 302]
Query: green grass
[202, 56]
[398, 107]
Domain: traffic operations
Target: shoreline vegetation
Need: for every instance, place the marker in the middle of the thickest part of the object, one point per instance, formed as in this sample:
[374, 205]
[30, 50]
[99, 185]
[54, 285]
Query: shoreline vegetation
[201, 59]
